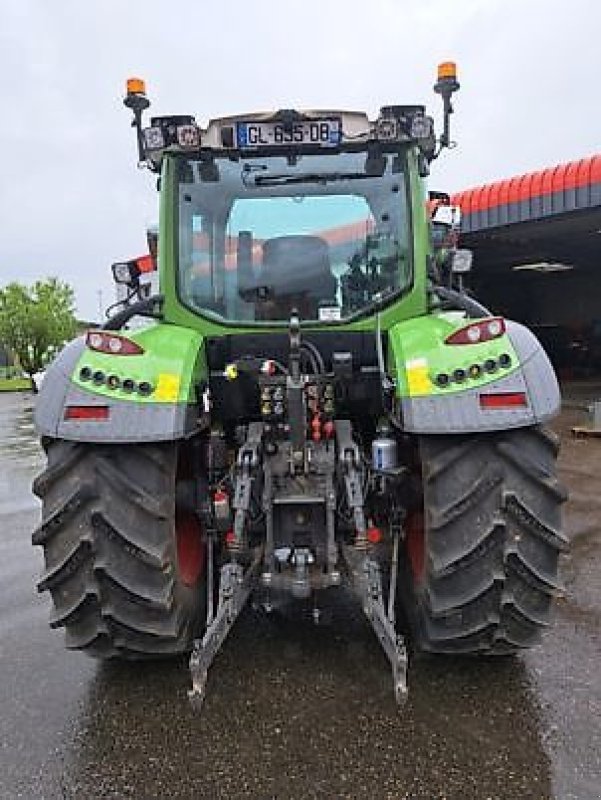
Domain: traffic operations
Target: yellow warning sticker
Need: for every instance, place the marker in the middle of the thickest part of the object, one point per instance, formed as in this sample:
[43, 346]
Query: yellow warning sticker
[418, 380]
[167, 387]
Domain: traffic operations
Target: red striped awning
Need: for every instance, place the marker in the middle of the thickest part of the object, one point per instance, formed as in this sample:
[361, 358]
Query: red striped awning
[557, 190]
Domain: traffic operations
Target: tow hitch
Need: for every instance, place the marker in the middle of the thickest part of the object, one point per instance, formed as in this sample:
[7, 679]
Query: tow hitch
[236, 585]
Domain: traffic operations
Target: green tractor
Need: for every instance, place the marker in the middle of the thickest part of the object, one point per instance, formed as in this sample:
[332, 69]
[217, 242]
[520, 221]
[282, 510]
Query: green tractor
[313, 402]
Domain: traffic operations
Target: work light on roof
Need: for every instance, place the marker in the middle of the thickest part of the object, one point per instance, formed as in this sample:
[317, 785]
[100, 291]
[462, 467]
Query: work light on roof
[291, 130]
[188, 136]
[387, 129]
[126, 272]
[421, 126]
[173, 133]
[153, 138]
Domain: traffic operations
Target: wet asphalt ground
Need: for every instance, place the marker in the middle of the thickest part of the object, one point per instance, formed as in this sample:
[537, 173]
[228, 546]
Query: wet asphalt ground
[294, 710]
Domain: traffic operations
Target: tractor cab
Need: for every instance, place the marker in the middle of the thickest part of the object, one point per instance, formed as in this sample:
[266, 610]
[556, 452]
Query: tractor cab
[312, 211]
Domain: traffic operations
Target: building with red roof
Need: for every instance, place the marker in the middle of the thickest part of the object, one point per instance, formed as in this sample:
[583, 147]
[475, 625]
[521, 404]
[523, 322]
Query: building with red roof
[536, 240]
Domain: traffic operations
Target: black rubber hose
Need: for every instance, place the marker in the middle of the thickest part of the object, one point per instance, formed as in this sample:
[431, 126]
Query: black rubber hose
[462, 302]
[309, 346]
[308, 356]
[144, 308]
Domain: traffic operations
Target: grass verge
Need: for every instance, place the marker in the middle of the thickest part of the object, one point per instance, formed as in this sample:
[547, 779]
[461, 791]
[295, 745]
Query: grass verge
[14, 384]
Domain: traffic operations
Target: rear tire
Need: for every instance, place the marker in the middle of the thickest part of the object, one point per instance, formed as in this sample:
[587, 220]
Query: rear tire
[482, 553]
[125, 568]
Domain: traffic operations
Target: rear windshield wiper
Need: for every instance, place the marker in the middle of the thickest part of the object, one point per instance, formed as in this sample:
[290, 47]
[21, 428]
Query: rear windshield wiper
[311, 177]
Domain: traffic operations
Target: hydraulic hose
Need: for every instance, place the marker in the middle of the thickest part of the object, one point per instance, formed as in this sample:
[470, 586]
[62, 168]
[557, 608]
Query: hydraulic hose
[462, 302]
[317, 357]
[144, 308]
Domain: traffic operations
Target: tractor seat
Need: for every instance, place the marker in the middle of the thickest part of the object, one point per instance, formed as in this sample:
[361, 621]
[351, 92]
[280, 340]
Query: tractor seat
[296, 269]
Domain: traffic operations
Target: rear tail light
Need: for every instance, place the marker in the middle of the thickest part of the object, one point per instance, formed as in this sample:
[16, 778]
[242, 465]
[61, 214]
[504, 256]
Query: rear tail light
[503, 400]
[476, 332]
[112, 343]
[90, 413]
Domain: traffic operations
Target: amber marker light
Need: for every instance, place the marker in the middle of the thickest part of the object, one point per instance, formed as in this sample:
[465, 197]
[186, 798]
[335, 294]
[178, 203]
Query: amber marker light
[136, 100]
[135, 86]
[448, 69]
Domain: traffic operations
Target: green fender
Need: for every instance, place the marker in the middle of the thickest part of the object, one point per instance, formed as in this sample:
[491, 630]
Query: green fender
[440, 386]
[150, 396]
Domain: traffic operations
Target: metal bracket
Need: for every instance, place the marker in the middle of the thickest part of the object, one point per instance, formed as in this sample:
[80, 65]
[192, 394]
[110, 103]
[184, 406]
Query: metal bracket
[366, 580]
[235, 585]
[349, 458]
[249, 458]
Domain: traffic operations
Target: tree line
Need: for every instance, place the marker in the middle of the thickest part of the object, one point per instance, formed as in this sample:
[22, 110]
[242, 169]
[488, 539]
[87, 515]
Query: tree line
[36, 321]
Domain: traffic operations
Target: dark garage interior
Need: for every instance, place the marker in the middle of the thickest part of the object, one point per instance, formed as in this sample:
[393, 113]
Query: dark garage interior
[536, 240]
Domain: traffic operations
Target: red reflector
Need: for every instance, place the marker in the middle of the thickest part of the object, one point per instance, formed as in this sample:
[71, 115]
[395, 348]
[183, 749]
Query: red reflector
[504, 400]
[146, 264]
[374, 535]
[95, 413]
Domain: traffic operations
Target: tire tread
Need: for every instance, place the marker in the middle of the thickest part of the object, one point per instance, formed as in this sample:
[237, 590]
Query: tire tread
[108, 534]
[493, 540]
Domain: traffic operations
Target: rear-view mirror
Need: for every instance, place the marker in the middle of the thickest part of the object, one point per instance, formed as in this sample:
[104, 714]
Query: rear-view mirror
[461, 261]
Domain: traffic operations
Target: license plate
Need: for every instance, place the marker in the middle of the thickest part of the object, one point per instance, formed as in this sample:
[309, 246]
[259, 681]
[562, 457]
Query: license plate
[320, 132]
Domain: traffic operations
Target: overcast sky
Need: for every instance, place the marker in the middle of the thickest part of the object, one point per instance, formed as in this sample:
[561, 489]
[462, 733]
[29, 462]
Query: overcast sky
[71, 198]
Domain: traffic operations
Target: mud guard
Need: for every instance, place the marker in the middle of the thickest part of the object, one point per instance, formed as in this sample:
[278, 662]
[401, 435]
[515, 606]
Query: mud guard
[460, 411]
[128, 418]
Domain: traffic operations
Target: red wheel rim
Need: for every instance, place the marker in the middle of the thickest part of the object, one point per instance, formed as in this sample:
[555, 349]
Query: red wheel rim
[190, 547]
[415, 542]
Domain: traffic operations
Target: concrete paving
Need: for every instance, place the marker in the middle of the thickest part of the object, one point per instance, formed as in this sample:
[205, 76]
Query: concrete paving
[294, 710]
